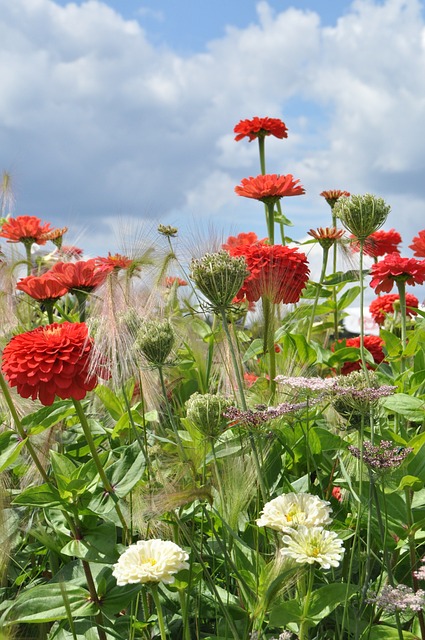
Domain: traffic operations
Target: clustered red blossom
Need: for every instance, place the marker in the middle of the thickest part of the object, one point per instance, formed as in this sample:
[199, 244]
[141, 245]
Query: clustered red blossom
[257, 127]
[242, 239]
[26, 229]
[83, 275]
[278, 272]
[50, 361]
[373, 344]
[269, 188]
[379, 243]
[418, 245]
[394, 268]
[384, 305]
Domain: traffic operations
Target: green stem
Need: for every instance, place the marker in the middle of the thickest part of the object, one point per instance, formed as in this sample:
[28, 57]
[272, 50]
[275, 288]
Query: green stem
[49, 309]
[317, 296]
[412, 553]
[334, 291]
[155, 595]
[304, 626]
[28, 254]
[95, 599]
[281, 224]
[268, 312]
[261, 148]
[6, 392]
[362, 349]
[270, 221]
[185, 617]
[171, 417]
[101, 471]
[401, 286]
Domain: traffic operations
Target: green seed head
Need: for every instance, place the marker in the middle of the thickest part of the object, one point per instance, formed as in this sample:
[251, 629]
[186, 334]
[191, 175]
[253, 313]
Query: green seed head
[155, 339]
[219, 276]
[362, 215]
[206, 412]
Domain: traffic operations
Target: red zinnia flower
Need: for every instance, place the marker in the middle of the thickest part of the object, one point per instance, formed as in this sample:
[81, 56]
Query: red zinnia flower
[115, 262]
[277, 272]
[418, 244]
[44, 288]
[373, 344]
[170, 280]
[26, 229]
[242, 239]
[50, 361]
[260, 127]
[379, 243]
[333, 195]
[269, 188]
[250, 378]
[394, 268]
[380, 307]
[84, 275]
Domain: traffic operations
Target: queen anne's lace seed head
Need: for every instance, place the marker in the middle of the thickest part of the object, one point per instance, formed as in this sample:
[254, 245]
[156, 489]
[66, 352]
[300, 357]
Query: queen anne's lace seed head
[291, 510]
[206, 412]
[150, 561]
[307, 545]
[219, 277]
[362, 215]
[155, 340]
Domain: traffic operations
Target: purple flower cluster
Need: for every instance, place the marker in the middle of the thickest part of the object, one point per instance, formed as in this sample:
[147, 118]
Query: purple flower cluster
[400, 598]
[382, 456]
[262, 414]
[420, 573]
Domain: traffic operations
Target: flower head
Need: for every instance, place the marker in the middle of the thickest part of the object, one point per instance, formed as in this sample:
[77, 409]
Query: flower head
[260, 127]
[380, 457]
[269, 188]
[26, 229]
[332, 196]
[394, 268]
[150, 561]
[326, 236]
[219, 277]
[83, 275]
[55, 236]
[50, 361]
[362, 215]
[206, 412]
[389, 303]
[155, 340]
[242, 239]
[114, 262]
[291, 510]
[399, 598]
[373, 344]
[418, 245]
[171, 281]
[379, 243]
[308, 545]
[167, 230]
[43, 288]
[275, 271]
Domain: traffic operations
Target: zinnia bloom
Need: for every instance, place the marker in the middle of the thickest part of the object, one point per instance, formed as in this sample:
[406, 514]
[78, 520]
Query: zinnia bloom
[242, 239]
[269, 188]
[84, 275]
[50, 361]
[281, 273]
[326, 236]
[373, 344]
[44, 288]
[418, 244]
[308, 545]
[174, 280]
[379, 243]
[290, 510]
[55, 236]
[384, 305]
[150, 561]
[26, 229]
[260, 127]
[332, 196]
[393, 268]
[114, 263]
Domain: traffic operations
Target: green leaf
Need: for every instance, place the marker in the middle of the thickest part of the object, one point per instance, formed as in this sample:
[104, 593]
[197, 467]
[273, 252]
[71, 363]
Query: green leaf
[127, 471]
[10, 447]
[286, 613]
[48, 416]
[45, 603]
[410, 407]
[110, 400]
[254, 350]
[348, 297]
[325, 599]
[384, 632]
[98, 544]
[41, 496]
[392, 343]
[411, 482]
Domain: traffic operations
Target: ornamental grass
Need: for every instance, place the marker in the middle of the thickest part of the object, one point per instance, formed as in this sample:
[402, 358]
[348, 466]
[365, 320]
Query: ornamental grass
[198, 449]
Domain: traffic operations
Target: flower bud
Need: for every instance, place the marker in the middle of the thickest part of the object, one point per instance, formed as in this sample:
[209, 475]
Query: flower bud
[155, 340]
[362, 215]
[219, 277]
[206, 412]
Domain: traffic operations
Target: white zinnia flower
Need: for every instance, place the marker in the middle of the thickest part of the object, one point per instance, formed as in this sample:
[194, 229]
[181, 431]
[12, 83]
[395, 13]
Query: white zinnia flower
[313, 544]
[150, 561]
[290, 510]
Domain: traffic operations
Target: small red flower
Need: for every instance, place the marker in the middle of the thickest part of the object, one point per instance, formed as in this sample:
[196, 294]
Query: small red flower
[171, 280]
[373, 344]
[393, 268]
[114, 263]
[383, 305]
[336, 493]
[242, 239]
[84, 275]
[278, 272]
[333, 195]
[44, 288]
[379, 243]
[260, 127]
[250, 378]
[50, 361]
[26, 229]
[269, 188]
[418, 244]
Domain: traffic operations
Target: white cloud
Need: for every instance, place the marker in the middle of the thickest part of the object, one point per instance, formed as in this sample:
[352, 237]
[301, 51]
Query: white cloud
[97, 121]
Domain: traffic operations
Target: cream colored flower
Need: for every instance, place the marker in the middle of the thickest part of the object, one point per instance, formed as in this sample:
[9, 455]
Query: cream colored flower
[308, 545]
[291, 510]
[150, 561]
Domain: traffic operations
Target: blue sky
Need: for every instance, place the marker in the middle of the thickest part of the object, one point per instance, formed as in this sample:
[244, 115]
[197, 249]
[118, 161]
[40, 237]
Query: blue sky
[122, 112]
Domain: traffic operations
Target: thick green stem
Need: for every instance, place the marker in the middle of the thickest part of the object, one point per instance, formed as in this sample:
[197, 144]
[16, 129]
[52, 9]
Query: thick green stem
[155, 595]
[334, 291]
[28, 246]
[101, 471]
[362, 349]
[185, 616]
[270, 221]
[317, 296]
[95, 599]
[5, 389]
[304, 626]
[401, 286]
[268, 312]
